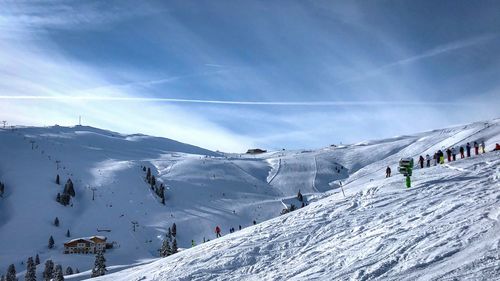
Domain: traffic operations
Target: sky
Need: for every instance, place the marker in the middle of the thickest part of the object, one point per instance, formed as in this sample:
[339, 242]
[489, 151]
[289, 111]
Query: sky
[233, 75]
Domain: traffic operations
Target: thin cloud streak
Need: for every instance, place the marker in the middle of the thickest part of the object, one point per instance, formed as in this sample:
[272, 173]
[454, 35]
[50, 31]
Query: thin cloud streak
[274, 103]
[439, 50]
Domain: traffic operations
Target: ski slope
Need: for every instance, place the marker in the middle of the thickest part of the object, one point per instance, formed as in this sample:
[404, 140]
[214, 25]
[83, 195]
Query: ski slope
[205, 189]
[446, 227]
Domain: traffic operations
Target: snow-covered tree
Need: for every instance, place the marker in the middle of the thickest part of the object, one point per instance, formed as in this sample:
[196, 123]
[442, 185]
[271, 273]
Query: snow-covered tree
[11, 273]
[174, 230]
[30, 270]
[69, 270]
[169, 233]
[174, 247]
[51, 242]
[99, 265]
[69, 188]
[165, 248]
[49, 270]
[58, 273]
[56, 221]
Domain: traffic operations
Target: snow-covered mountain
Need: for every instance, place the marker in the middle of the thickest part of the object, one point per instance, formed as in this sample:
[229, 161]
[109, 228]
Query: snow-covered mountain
[444, 225]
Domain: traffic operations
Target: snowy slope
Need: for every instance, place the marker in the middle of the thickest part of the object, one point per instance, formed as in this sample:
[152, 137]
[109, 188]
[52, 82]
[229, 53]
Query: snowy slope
[445, 227]
[203, 189]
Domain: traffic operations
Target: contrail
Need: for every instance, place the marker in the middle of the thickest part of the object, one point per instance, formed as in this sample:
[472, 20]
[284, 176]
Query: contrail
[228, 102]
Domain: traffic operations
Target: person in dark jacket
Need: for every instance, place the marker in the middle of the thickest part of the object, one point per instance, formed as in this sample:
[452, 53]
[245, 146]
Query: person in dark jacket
[217, 232]
[421, 161]
[440, 157]
[388, 172]
[467, 147]
[448, 153]
[428, 158]
[454, 153]
[476, 148]
[435, 158]
[462, 152]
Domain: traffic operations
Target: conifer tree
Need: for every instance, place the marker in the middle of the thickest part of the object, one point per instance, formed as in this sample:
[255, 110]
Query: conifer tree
[174, 247]
[169, 234]
[148, 175]
[49, 270]
[144, 169]
[56, 221]
[2, 278]
[67, 233]
[153, 181]
[58, 197]
[77, 270]
[2, 189]
[37, 260]
[69, 188]
[58, 273]
[11, 273]
[99, 265]
[57, 180]
[174, 230]
[51, 242]
[69, 270]
[165, 248]
[30, 270]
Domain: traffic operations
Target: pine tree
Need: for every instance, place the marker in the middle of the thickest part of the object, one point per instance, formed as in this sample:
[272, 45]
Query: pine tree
[2, 189]
[69, 270]
[174, 230]
[30, 270]
[2, 278]
[169, 234]
[69, 189]
[11, 273]
[49, 270]
[56, 221]
[99, 265]
[77, 270]
[57, 180]
[51, 242]
[165, 248]
[58, 273]
[174, 247]
[144, 169]
[300, 197]
[58, 197]
[153, 181]
[37, 260]
[67, 233]
[148, 175]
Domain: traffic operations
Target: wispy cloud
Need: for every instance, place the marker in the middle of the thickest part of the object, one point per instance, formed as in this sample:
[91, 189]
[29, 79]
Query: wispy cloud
[439, 50]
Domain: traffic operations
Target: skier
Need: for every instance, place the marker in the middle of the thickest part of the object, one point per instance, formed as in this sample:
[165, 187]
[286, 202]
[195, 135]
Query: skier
[476, 147]
[462, 152]
[483, 147]
[428, 158]
[448, 153]
[217, 232]
[192, 243]
[467, 147]
[254, 222]
[497, 147]
[454, 153]
[388, 172]
[421, 161]
[240, 226]
[440, 157]
[435, 158]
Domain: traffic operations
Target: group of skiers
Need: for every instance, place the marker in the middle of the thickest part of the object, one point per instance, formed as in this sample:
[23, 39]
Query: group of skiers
[218, 231]
[451, 154]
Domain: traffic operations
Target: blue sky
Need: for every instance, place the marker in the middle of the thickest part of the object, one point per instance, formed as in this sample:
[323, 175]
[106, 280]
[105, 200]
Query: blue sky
[230, 75]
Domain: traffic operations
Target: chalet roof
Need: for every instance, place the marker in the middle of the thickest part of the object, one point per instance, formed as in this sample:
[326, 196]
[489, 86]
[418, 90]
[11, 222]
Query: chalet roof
[86, 239]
